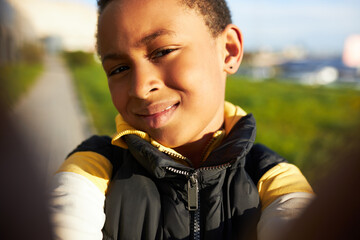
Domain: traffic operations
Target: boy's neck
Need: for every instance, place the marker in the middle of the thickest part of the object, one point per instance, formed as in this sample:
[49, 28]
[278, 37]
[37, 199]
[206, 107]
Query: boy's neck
[194, 151]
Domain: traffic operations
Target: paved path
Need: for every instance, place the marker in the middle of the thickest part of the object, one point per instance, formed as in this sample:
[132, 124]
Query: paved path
[51, 118]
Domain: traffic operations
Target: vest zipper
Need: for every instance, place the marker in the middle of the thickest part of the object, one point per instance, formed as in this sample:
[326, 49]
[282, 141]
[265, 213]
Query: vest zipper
[194, 196]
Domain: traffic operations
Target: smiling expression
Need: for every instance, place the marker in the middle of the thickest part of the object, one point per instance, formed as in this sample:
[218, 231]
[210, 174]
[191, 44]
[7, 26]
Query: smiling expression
[165, 70]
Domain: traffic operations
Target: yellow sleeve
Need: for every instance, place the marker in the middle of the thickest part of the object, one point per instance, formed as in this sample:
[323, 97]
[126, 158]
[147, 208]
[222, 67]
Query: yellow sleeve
[91, 165]
[282, 179]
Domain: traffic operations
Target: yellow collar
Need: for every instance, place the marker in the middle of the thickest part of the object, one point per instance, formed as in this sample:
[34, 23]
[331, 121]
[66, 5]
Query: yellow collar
[232, 114]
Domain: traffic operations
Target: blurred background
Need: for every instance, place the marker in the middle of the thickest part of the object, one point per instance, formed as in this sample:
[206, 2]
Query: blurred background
[300, 76]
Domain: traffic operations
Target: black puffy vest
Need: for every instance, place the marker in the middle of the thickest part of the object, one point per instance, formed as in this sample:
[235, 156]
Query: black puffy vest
[153, 197]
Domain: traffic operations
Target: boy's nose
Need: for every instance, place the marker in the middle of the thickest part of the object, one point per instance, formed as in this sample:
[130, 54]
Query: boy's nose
[144, 82]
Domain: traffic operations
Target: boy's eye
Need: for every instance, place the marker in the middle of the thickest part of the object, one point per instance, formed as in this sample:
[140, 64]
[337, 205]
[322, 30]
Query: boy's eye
[118, 70]
[161, 53]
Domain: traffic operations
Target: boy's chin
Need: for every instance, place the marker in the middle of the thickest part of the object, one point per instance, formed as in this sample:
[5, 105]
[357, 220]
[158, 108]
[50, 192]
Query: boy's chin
[176, 142]
[168, 140]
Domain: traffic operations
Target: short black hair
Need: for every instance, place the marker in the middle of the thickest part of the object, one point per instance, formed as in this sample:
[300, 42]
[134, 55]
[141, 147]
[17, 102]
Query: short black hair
[216, 13]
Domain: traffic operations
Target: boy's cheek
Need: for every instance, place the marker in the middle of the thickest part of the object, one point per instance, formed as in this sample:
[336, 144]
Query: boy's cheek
[118, 100]
[183, 72]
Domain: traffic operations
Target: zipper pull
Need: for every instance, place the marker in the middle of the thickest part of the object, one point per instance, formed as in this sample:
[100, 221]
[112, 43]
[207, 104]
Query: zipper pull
[193, 190]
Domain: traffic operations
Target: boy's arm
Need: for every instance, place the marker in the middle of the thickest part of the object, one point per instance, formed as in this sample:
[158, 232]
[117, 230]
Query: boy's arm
[78, 194]
[76, 208]
[284, 194]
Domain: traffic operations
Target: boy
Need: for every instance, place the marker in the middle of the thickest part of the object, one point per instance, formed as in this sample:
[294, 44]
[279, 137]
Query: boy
[182, 164]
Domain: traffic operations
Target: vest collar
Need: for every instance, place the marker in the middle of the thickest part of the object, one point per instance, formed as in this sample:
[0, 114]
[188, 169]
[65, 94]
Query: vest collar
[232, 115]
[232, 150]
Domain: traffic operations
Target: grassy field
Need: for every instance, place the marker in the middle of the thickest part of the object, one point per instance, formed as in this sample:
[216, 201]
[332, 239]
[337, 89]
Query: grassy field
[304, 124]
[16, 79]
[91, 82]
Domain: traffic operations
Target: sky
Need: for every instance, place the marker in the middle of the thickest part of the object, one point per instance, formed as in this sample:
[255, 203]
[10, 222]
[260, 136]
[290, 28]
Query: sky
[319, 26]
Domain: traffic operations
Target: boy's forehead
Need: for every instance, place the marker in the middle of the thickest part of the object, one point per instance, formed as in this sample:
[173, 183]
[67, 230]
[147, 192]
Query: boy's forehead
[139, 14]
[145, 3]
[148, 17]
[142, 6]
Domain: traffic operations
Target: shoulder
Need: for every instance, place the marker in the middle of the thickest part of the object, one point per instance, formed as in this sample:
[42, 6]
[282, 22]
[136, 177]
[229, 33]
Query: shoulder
[273, 175]
[94, 159]
[99, 145]
[260, 159]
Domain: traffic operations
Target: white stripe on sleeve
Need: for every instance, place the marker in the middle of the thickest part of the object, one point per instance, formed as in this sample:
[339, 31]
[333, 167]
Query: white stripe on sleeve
[276, 218]
[77, 207]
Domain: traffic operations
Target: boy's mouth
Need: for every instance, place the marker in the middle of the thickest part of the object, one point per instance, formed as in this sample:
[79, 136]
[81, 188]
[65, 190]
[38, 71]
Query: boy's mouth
[157, 116]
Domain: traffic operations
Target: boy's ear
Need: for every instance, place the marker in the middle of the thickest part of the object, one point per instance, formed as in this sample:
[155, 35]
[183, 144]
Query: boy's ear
[233, 48]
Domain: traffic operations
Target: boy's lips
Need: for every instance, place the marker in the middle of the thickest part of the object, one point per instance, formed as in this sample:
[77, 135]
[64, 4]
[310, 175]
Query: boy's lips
[157, 116]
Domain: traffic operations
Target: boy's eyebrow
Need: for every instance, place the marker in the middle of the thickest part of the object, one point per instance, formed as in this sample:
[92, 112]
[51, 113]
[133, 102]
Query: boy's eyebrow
[112, 56]
[152, 36]
[143, 41]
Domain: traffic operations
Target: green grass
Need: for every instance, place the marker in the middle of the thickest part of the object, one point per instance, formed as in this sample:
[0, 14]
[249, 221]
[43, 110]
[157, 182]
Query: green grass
[91, 83]
[304, 124]
[16, 79]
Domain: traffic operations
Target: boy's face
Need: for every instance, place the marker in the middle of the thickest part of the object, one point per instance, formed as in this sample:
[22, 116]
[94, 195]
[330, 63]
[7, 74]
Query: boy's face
[165, 70]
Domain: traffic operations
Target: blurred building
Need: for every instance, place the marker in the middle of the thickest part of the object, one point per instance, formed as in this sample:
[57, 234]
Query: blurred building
[296, 64]
[319, 71]
[52, 44]
[66, 24]
[351, 54]
[15, 32]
